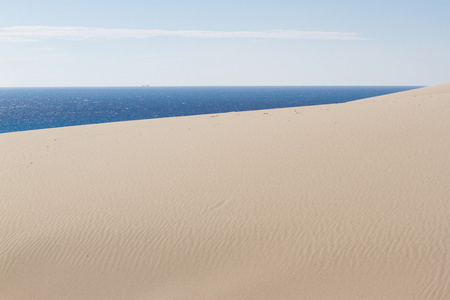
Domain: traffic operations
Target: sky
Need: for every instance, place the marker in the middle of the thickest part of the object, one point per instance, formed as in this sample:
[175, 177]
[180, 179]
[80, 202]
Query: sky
[57, 43]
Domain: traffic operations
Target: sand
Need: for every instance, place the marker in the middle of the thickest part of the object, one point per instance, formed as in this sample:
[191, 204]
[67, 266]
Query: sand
[342, 201]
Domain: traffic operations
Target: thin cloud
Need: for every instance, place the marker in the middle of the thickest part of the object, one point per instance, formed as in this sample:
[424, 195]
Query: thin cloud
[46, 57]
[35, 33]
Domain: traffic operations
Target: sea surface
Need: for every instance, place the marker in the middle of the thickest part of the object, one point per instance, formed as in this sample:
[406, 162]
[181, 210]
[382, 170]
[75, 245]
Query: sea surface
[37, 108]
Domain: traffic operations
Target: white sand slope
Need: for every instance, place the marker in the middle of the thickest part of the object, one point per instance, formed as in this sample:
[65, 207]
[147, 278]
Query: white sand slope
[343, 201]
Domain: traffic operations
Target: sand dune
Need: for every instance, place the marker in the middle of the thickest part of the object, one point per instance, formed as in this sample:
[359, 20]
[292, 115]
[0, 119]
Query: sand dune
[344, 201]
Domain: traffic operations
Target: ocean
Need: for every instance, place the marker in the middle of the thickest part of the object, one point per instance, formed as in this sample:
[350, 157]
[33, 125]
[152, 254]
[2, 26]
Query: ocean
[38, 108]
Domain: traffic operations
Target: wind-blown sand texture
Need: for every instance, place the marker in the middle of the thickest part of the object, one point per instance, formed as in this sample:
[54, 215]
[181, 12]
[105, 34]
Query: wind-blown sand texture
[343, 201]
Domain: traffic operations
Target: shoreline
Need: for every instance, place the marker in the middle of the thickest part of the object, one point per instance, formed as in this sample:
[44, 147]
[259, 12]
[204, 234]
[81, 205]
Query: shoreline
[77, 112]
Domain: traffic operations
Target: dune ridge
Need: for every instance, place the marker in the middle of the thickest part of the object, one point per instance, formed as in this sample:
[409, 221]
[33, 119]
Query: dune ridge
[342, 201]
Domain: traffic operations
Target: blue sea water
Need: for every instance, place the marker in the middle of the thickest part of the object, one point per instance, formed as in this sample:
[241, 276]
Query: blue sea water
[37, 108]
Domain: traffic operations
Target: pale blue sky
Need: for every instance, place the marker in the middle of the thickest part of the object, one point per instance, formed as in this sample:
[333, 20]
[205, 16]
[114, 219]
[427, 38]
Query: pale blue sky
[174, 42]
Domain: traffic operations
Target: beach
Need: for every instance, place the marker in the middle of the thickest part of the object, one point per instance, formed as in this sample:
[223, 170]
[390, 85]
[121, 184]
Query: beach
[339, 201]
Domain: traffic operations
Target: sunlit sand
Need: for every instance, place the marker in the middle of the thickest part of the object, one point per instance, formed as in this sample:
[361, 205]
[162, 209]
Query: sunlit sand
[342, 201]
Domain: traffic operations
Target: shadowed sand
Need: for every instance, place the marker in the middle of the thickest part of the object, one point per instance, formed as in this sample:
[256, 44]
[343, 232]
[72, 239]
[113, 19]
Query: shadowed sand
[343, 201]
